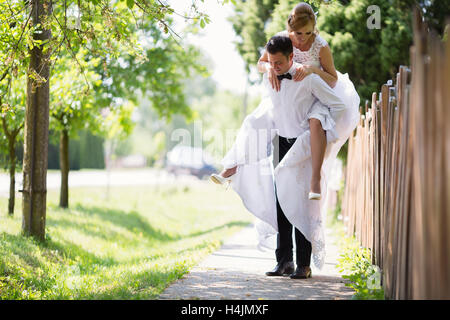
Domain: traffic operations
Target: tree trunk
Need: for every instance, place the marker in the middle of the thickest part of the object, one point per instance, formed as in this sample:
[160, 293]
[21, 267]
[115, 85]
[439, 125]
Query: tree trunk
[64, 165]
[12, 173]
[36, 130]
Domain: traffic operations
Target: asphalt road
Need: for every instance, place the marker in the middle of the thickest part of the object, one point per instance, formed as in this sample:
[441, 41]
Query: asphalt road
[98, 178]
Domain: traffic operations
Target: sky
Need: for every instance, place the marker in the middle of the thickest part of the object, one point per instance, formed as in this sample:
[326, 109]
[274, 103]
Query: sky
[217, 40]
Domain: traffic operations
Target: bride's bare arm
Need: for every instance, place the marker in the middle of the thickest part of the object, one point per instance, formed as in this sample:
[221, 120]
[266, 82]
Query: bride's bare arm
[263, 63]
[327, 72]
[263, 66]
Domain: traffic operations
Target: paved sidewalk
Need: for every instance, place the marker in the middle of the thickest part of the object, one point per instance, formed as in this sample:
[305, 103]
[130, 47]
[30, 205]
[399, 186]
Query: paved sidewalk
[237, 271]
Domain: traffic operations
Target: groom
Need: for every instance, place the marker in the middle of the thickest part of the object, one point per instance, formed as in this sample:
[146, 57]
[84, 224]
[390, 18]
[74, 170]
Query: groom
[291, 106]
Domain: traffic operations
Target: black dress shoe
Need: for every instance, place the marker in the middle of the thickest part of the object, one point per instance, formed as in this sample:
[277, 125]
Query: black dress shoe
[301, 273]
[281, 269]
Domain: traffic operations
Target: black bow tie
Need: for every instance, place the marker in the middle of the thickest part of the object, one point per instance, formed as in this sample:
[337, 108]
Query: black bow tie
[286, 75]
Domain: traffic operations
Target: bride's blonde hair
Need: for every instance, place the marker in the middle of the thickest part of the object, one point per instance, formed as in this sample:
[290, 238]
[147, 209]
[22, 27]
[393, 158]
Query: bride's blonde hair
[301, 15]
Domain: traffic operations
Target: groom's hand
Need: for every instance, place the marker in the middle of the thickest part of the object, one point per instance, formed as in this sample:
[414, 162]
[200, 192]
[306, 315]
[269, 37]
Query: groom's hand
[302, 72]
[272, 76]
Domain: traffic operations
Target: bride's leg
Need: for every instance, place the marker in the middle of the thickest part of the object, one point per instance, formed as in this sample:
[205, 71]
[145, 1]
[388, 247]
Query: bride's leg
[318, 144]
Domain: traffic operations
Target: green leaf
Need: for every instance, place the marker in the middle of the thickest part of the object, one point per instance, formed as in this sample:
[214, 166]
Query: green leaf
[130, 4]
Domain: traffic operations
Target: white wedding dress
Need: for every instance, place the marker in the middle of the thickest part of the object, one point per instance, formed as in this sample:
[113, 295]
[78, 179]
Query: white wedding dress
[255, 177]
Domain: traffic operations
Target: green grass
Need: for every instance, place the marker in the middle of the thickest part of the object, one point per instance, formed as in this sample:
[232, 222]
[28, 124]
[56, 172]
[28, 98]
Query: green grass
[356, 266]
[130, 246]
[355, 261]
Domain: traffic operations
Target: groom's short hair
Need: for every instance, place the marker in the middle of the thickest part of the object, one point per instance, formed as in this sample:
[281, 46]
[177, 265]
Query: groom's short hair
[281, 44]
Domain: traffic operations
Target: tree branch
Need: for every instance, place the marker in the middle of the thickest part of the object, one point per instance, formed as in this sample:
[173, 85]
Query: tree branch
[15, 47]
[71, 50]
[5, 128]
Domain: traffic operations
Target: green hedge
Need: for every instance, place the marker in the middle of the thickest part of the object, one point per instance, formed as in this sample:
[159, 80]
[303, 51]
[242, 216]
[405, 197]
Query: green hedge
[85, 152]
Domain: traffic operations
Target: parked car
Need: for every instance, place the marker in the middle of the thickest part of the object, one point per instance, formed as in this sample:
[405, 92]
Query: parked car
[189, 160]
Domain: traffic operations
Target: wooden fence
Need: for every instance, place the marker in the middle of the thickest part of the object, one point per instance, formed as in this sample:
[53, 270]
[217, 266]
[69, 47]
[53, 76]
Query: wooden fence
[397, 194]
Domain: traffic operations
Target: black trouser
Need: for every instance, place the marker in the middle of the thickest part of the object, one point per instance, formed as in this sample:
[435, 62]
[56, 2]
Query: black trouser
[284, 238]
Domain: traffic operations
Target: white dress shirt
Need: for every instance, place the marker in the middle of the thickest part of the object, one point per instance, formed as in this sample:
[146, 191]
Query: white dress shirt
[297, 99]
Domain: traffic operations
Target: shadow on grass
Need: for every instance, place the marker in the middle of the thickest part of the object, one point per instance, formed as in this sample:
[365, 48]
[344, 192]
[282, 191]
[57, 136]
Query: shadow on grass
[135, 223]
[75, 252]
[147, 284]
[132, 221]
[20, 246]
[91, 229]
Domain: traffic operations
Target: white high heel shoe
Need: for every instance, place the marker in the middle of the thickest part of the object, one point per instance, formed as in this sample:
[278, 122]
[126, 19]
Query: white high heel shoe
[314, 196]
[217, 178]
